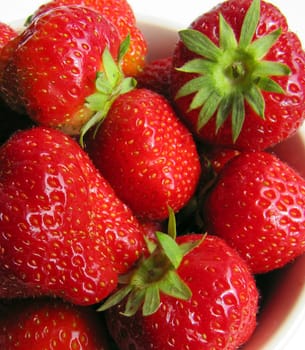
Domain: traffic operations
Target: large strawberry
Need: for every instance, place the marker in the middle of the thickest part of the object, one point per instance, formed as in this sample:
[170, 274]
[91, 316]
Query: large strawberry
[146, 153]
[39, 324]
[121, 14]
[195, 293]
[238, 76]
[257, 206]
[63, 231]
[54, 65]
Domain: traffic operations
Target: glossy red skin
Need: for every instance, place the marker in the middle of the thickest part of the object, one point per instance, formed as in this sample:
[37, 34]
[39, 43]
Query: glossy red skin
[221, 313]
[121, 14]
[7, 33]
[283, 113]
[257, 206]
[63, 230]
[146, 153]
[156, 76]
[55, 63]
[48, 324]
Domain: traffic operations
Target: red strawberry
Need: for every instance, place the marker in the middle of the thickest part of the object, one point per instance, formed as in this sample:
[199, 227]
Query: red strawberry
[63, 230]
[156, 76]
[239, 76]
[120, 13]
[54, 65]
[195, 293]
[257, 206]
[51, 324]
[218, 157]
[145, 152]
[7, 33]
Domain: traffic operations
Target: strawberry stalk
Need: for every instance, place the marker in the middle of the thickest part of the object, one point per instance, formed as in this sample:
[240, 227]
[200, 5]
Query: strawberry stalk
[231, 73]
[157, 273]
[110, 83]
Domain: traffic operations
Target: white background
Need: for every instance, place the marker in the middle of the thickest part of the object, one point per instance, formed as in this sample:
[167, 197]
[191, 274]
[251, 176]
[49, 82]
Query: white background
[179, 14]
[182, 12]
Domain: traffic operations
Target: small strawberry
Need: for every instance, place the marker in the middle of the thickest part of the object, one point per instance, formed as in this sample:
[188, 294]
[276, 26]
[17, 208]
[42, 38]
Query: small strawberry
[156, 76]
[146, 153]
[54, 65]
[192, 293]
[121, 14]
[63, 231]
[238, 76]
[39, 324]
[257, 206]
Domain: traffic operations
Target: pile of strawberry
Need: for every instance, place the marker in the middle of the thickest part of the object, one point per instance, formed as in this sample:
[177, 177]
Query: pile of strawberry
[140, 201]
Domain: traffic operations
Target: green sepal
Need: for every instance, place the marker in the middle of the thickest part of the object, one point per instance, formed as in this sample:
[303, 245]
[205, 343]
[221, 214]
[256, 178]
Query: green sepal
[250, 24]
[227, 39]
[134, 302]
[199, 44]
[141, 287]
[151, 300]
[175, 287]
[109, 84]
[238, 115]
[115, 298]
[170, 248]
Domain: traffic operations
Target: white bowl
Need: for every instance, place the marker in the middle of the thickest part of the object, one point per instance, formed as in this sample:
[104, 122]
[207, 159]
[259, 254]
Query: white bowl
[282, 318]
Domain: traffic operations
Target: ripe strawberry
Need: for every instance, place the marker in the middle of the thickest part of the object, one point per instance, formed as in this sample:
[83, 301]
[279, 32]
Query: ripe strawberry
[63, 230]
[257, 206]
[7, 33]
[218, 157]
[120, 13]
[145, 152]
[51, 324]
[195, 293]
[239, 76]
[156, 76]
[54, 65]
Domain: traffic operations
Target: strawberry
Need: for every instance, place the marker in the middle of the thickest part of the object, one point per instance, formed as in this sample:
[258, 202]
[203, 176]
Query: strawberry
[238, 76]
[120, 13]
[63, 230]
[156, 76]
[7, 33]
[147, 155]
[54, 65]
[192, 293]
[51, 324]
[257, 206]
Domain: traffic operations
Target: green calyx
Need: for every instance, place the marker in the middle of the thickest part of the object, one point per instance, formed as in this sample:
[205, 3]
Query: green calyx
[232, 73]
[154, 275]
[110, 83]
